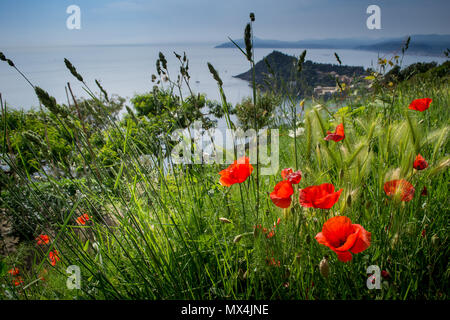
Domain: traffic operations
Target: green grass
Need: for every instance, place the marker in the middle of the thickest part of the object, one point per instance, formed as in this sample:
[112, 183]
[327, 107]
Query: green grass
[156, 234]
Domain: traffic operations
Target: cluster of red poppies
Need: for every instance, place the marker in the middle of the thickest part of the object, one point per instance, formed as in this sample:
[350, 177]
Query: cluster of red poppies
[83, 219]
[338, 233]
[17, 280]
[402, 189]
[44, 239]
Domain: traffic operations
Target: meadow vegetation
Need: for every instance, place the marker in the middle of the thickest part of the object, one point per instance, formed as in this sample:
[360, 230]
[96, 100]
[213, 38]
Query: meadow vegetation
[111, 201]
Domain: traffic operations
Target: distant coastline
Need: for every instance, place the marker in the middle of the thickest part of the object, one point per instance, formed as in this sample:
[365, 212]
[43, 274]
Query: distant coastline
[422, 45]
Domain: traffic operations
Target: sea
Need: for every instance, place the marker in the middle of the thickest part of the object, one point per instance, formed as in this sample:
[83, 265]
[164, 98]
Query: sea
[126, 70]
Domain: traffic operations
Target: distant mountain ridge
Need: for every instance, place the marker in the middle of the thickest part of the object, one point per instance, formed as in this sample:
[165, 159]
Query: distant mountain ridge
[431, 44]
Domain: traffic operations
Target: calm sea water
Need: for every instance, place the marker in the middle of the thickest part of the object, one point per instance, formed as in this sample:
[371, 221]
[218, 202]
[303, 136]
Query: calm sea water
[127, 70]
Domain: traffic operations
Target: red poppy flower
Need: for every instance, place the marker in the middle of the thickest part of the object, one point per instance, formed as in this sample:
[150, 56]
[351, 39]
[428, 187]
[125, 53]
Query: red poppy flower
[43, 239]
[401, 188]
[343, 237]
[420, 163]
[420, 104]
[54, 256]
[385, 274]
[14, 271]
[338, 135]
[237, 172]
[291, 176]
[322, 196]
[18, 281]
[281, 194]
[83, 219]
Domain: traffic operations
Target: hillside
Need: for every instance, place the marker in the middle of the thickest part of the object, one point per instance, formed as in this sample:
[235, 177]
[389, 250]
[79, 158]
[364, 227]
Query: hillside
[313, 74]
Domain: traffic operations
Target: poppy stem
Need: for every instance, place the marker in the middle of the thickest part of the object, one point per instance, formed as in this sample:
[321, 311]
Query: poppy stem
[243, 206]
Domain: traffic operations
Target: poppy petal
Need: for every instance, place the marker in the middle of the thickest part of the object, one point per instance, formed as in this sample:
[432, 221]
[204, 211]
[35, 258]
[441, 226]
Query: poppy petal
[281, 195]
[344, 256]
[338, 134]
[363, 240]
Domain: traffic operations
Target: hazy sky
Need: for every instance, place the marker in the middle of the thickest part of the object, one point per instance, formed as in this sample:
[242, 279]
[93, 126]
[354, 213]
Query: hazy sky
[43, 22]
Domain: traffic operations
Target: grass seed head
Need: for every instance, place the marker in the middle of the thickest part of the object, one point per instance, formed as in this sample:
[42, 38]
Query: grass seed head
[248, 41]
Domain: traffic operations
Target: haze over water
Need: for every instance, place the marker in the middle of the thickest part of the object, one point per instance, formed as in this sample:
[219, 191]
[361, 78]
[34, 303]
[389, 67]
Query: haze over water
[126, 70]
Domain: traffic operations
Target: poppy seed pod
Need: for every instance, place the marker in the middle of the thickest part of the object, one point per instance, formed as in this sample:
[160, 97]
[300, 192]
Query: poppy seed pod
[324, 267]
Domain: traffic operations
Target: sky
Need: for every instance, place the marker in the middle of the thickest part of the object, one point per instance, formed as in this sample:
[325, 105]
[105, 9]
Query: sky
[43, 22]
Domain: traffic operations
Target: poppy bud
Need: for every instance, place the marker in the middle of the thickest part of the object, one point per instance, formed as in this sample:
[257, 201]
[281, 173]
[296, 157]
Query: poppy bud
[224, 220]
[324, 267]
[237, 238]
[434, 240]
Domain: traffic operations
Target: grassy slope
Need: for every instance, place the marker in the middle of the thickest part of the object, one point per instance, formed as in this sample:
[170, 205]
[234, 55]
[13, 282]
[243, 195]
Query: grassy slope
[163, 238]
